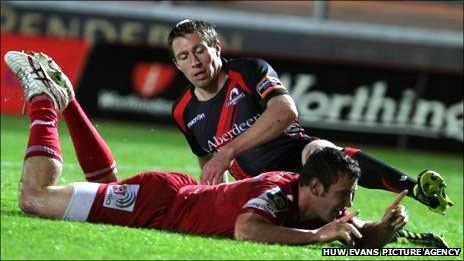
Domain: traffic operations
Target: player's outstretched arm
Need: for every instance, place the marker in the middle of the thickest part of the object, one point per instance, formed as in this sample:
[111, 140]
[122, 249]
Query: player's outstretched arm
[253, 227]
[215, 169]
[280, 112]
[378, 234]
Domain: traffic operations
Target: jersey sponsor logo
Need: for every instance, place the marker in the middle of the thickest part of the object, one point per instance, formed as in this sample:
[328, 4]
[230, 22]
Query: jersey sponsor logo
[266, 84]
[235, 95]
[218, 141]
[195, 120]
[121, 197]
[271, 201]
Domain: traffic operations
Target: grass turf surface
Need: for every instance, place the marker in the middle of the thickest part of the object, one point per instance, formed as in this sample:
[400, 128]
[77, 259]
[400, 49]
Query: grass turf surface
[138, 147]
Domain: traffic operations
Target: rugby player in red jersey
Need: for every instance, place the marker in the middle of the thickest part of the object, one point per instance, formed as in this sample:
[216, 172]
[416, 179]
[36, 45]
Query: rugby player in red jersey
[236, 115]
[274, 207]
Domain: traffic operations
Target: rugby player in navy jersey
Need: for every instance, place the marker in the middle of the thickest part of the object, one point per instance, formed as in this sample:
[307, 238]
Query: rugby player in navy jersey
[275, 207]
[236, 115]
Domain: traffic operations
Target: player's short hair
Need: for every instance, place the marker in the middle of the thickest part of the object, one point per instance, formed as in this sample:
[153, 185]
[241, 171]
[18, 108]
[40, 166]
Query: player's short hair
[327, 165]
[187, 26]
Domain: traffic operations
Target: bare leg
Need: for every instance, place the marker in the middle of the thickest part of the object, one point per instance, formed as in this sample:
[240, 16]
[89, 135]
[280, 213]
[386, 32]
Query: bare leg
[38, 193]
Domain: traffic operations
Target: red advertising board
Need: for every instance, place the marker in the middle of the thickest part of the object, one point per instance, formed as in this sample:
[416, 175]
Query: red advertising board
[70, 54]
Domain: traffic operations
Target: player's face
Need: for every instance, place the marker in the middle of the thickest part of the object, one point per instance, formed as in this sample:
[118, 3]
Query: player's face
[337, 198]
[196, 60]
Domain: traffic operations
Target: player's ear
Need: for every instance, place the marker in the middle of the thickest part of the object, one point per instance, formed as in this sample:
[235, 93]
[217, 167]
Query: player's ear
[316, 187]
[218, 48]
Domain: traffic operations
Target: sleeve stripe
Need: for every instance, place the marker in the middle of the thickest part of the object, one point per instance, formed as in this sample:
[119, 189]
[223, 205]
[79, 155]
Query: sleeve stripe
[267, 77]
[277, 87]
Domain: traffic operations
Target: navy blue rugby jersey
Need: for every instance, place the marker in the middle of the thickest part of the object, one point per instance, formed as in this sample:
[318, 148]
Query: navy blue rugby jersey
[209, 125]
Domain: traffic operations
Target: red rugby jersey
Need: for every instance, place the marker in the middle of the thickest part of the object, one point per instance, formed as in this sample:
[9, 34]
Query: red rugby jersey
[213, 210]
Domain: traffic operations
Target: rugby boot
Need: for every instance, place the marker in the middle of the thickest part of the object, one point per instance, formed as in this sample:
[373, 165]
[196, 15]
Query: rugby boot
[430, 190]
[426, 239]
[39, 74]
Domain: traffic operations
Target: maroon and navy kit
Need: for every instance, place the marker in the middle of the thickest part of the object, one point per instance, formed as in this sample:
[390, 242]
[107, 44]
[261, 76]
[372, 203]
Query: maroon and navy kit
[175, 202]
[209, 125]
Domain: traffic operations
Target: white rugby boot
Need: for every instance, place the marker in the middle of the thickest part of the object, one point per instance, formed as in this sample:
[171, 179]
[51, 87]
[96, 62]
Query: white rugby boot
[39, 74]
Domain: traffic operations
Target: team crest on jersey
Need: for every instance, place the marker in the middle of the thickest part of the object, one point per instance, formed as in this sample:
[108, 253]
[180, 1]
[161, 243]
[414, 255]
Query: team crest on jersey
[235, 95]
[121, 197]
[267, 84]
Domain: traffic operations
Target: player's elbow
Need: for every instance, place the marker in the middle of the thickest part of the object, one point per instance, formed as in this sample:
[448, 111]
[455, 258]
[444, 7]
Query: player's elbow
[244, 228]
[284, 108]
[288, 109]
[291, 114]
[240, 231]
[240, 234]
[285, 116]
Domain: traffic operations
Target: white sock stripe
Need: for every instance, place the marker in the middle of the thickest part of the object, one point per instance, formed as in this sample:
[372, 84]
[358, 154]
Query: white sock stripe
[100, 171]
[40, 148]
[43, 123]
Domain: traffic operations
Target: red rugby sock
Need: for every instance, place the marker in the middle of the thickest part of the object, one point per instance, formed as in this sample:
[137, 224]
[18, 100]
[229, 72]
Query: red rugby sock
[43, 137]
[92, 151]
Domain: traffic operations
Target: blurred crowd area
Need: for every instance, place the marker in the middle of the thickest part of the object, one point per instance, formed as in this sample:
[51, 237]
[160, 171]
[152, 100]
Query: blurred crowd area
[445, 15]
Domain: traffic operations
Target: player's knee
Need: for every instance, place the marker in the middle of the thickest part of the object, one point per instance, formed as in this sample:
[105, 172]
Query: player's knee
[27, 203]
[313, 146]
[29, 199]
[27, 206]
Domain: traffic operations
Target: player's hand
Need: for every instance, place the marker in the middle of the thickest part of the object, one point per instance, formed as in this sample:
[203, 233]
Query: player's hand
[376, 235]
[395, 216]
[213, 171]
[340, 229]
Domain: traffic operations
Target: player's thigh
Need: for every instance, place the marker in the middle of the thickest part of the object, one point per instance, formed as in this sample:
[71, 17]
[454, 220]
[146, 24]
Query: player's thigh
[49, 202]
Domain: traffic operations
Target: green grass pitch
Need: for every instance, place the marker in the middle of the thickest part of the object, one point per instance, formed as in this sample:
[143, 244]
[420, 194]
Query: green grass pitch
[138, 147]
